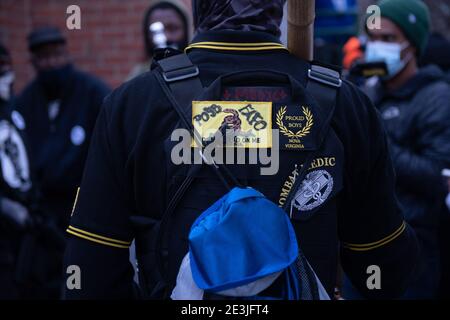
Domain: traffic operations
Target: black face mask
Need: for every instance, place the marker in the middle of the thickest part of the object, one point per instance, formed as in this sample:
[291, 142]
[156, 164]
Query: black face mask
[55, 81]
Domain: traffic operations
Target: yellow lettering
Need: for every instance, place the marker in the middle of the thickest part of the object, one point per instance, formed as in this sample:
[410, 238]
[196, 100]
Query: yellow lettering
[288, 185]
[294, 118]
[295, 125]
[284, 193]
[320, 162]
[332, 162]
[294, 146]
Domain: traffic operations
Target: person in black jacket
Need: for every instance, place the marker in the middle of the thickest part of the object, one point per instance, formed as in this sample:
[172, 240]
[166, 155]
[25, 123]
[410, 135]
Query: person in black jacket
[347, 196]
[59, 109]
[415, 106]
[15, 181]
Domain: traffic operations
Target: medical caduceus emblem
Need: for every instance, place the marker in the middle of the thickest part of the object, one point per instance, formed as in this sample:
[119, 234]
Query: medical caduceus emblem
[314, 190]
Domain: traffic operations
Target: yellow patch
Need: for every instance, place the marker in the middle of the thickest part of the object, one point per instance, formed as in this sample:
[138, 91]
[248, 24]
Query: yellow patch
[249, 122]
[295, 124]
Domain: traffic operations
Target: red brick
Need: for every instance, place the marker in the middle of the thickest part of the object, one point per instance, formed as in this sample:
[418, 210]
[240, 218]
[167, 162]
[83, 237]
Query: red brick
[108, 45]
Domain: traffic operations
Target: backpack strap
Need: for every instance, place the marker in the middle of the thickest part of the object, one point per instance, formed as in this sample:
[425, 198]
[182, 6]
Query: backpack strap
[323, 84]
[180, 83]
[179, 79]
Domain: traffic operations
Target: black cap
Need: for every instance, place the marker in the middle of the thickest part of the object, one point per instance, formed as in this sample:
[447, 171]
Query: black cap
[44, 35]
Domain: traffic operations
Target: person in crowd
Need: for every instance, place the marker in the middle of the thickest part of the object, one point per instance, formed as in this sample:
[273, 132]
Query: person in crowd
[415, 106]
[174, 32]
[15, 181]
[58, 111]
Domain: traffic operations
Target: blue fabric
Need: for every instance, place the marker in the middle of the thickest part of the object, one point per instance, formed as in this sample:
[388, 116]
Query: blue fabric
[291, 288]
[240, 239]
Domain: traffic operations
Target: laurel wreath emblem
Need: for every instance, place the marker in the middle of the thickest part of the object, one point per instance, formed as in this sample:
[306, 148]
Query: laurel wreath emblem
[302, 132]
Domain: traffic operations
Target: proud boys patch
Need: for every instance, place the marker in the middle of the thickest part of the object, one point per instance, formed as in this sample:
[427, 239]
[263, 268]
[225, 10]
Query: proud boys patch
[249, 122]
[296, 125]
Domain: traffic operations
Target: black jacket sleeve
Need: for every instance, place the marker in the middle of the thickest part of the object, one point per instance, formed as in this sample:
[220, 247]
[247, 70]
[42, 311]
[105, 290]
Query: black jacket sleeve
[372, 229]
[100, 231]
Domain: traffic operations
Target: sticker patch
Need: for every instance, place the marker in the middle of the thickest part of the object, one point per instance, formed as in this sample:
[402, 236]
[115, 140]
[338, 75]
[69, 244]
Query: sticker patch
[391, 113]
[321, 162]
[77, 135]
[295, 124]
[18, 120]
[250, 122]
[314, 191]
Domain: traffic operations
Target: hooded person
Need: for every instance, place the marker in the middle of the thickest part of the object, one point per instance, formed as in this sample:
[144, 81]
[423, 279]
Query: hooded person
[175, 31]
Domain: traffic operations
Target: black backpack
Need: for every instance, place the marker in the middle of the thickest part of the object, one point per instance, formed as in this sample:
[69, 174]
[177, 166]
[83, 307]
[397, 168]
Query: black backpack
[179, 80]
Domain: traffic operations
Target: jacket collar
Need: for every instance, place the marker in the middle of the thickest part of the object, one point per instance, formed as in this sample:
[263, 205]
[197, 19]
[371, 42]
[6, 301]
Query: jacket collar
[226, 40]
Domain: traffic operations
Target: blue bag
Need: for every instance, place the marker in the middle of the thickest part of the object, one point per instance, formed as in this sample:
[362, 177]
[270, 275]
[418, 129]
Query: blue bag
[244, 246]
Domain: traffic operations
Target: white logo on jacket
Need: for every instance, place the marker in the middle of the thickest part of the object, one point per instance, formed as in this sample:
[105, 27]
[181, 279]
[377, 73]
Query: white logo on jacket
[77, 135]
[314, 190]
[18, 120]
[391, 113]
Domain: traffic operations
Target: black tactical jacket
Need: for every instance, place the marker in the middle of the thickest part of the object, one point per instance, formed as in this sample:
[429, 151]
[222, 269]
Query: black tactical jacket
[130, 175]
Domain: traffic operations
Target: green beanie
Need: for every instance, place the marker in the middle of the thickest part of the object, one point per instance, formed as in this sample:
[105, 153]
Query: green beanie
[412, 16]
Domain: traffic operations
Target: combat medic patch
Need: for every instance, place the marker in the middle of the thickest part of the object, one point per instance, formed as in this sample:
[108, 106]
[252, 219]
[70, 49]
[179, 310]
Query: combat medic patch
[313, 192]
[295, 124]
[249, 122]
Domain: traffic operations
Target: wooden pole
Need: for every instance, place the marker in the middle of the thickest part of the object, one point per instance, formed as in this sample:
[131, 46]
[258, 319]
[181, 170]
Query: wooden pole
[301, 15]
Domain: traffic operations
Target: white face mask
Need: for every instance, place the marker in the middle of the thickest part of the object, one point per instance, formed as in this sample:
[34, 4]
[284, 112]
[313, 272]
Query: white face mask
[390, 53]
[6, 81]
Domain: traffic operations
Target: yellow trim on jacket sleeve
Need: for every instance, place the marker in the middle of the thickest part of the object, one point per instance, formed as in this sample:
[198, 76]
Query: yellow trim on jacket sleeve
[376, 244]
[98, 238]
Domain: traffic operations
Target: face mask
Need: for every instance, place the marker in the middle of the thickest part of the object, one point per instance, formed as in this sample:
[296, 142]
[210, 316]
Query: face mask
[54, 81]
[390, 53]
[6, 81]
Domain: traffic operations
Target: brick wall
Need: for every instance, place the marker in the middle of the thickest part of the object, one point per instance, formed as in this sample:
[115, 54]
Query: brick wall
[109, 43]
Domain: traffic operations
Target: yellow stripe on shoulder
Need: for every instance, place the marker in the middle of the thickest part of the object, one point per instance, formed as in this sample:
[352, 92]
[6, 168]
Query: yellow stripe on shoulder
[376, 244]
[239, 44]
[237, 47]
